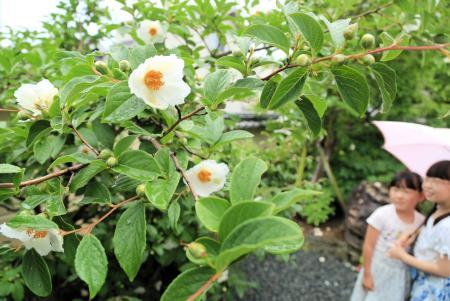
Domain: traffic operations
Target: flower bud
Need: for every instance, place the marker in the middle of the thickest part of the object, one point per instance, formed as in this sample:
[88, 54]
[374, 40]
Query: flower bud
[101, 67]
[112, 161]
[124, 66]
[304, 60]
[105, 154]
[338, 58]
[351, 31]
[367, 41]
[140, 189]
[368, 59]
[117, 73]
[197, 250]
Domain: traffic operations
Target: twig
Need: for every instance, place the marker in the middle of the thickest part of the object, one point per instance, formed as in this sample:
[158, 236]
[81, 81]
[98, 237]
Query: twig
[180, 119]
[437, 47]
[9, 110]
[158, 146]
[84, 140]
[225, 53]
[44, 178]
[204, 287]
[88, 228]
[371, 11]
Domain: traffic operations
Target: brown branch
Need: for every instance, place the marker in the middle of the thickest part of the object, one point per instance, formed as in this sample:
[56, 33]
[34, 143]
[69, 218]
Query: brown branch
[436, 47]
[44, 178]
[88, 228]
[180, 119]
[204, 287]
[158, 146]
[9, 110]
[84, 141]
[371, 11]
[225, 53]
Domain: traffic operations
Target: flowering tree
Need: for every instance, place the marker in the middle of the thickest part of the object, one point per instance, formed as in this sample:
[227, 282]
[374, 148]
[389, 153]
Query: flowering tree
[138, 130]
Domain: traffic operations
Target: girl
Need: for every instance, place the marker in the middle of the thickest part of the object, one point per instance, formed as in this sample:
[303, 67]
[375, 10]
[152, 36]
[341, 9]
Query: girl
[432, 248]
[383, 278]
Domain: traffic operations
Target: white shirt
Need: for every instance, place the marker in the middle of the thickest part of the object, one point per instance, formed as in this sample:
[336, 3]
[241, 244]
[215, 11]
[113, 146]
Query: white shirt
[433, 241]
[391, 227]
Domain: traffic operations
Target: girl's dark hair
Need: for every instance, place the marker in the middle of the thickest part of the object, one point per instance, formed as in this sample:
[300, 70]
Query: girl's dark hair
[407, 179]
[440, 170]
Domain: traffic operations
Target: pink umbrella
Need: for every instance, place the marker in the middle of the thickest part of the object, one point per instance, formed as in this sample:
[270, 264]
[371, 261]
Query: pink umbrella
[415, 145]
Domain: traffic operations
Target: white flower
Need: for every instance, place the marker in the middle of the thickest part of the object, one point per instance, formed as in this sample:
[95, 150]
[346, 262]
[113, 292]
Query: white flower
[36, 98]
[151, 32]
[42, 241]
[159, 81]
[207, 177]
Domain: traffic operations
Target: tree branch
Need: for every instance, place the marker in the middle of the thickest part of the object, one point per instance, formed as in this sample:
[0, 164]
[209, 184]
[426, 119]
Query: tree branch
[88, 228]
[44, 178]
[158, 146]
[436, 47]
[180, 119]
[84, 141]
[371, 11]
[204, 287]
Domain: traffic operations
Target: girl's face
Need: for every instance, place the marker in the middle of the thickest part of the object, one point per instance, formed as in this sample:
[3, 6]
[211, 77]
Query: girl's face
[437, 190]
[405, 199]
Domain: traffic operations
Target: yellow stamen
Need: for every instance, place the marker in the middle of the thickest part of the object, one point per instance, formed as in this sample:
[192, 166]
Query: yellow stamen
[153, 80]
[204, 175]
[152, 31]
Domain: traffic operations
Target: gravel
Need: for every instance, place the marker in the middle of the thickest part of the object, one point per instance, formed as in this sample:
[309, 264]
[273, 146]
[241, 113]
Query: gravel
[307, 276]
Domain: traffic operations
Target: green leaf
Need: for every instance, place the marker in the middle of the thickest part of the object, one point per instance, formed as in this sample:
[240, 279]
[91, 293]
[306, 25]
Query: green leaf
[119, 52]
[138, 165]
[130, 239]
[91, 263]
[311, 115]
[210, 211]
[336, 30]
[174, 214]
[388, 40]
[187, 283]
[124, 144]
[215, 84]
[245, 178]
[36, 222]
[232, 136]
[262, 232]
[386, 79]
[309, 28]
[8, 168]
[353, 87]
[268, 90]
[36, 274]
[286, 199]
[140, 53]
[96, 193]
[269, 35]
[86, 174]
[211, 132]
[76, 157]
[105, 134]
[234, 62]
[33, 201]
[289, 89]
[241, 212]
[73, 89]
[47, 147]
[39, 129]
[121, 105]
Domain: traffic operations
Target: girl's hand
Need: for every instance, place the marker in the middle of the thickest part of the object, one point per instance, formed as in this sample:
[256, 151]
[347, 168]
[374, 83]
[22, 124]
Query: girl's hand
[368, 282]
[406, 240]
[396, 251]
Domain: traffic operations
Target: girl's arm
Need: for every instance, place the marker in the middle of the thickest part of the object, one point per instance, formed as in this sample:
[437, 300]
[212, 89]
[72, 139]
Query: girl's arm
[440, 267]
[369, 246]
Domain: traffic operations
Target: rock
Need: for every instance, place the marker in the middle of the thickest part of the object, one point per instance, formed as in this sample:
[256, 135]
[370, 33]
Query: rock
[362, 202]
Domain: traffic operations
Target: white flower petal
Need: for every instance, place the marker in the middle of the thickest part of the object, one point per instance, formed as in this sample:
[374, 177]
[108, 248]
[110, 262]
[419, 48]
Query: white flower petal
[56, 240]
[218, 171]
[143, 32]
[13, 233]
[173, 89]
[36, 97]
[41, 245]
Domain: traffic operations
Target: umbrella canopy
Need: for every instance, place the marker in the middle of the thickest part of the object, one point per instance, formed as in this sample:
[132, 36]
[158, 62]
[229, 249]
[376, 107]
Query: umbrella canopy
[417, 146]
